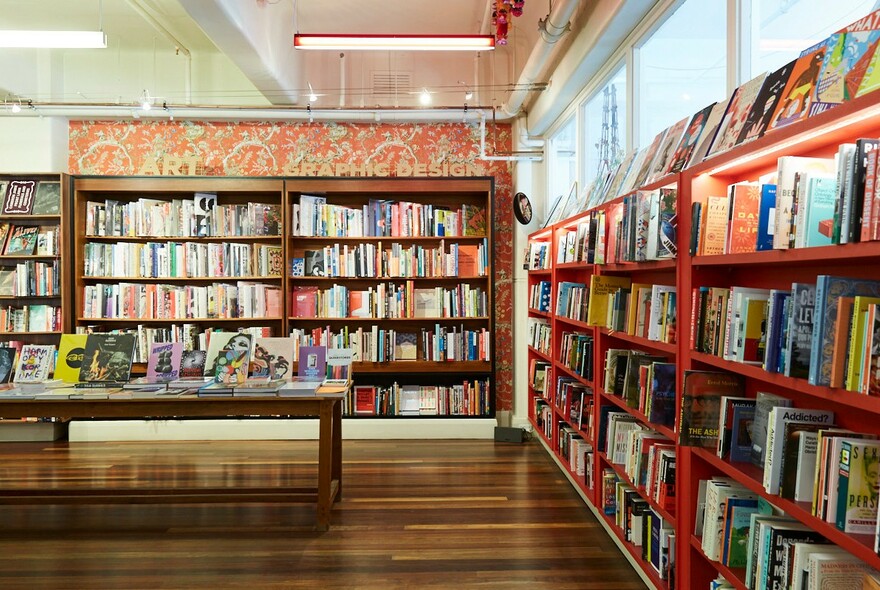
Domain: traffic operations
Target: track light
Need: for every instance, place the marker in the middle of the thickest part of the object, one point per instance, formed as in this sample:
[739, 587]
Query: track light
[167, 110]
[16, 107]
[312, 96]
[425, 97]
[469, 94]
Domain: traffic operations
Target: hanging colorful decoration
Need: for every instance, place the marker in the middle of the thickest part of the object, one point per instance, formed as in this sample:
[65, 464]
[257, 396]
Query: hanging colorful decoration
[501, 15]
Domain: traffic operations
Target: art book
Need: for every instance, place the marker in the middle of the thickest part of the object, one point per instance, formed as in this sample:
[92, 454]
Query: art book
[273, 358]
[232, 362]
[737, 112]
[7, 364]
[107, 357]
[701, 406]
[164, 361]
[312, 362]
[19, 197]
[796, 97]
[71, 351]
[315, 264]
[48, 199]
[22, 240]
[688, 143]
[192, 364]
[34, 363]
[762, 111]
[339, 362]
[217, 341]
[203, 209]
[847, 56]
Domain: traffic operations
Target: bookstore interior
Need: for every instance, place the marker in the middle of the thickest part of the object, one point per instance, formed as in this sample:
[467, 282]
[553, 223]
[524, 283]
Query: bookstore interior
[459, 271]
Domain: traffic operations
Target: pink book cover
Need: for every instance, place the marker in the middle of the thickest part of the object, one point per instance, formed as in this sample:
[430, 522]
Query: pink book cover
[164, 361]
[746, 204]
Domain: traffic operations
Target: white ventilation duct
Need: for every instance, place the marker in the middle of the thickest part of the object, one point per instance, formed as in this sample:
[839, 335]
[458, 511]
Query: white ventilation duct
[553, 27]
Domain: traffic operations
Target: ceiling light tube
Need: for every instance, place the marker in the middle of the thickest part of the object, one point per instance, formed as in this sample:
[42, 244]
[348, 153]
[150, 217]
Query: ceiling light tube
[54, 39]
[395, 42]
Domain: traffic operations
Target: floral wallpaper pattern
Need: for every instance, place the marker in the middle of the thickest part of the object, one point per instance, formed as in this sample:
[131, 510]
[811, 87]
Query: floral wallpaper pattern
[260, 148]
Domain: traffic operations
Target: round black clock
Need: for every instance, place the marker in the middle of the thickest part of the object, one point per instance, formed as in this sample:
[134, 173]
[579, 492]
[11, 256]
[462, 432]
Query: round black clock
[522, 208]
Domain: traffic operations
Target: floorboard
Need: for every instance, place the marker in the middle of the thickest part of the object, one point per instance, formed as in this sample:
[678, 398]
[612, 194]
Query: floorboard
[415, 514]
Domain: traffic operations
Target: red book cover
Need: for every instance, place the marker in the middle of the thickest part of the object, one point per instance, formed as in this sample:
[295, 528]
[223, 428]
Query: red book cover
[745, 202]
[304, 301]
[365, 400]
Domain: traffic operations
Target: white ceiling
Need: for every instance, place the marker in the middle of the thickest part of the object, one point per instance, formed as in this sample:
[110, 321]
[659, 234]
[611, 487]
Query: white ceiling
[240, 52]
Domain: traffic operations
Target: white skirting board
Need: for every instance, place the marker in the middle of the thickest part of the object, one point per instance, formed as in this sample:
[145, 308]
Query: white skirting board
[278, 429]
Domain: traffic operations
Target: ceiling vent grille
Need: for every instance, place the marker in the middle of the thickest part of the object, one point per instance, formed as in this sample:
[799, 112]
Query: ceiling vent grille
[390, 85]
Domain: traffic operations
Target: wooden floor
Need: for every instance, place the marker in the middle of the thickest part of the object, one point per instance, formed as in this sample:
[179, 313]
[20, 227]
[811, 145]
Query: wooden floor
[415, 514]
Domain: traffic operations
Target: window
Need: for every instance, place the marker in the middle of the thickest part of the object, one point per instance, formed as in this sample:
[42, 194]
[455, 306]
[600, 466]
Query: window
[682, 66]
[562, 169]
[605, 126]
[784, 28]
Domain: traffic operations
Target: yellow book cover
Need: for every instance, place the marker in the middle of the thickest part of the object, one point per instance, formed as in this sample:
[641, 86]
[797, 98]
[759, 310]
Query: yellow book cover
[633, 308]
[70, 356]
[601, 287]
[856, 341]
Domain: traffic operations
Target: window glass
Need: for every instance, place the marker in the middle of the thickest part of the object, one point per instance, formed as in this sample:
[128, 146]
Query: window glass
[605, 126]
[682, 66]
[784, 28]
[562, 162]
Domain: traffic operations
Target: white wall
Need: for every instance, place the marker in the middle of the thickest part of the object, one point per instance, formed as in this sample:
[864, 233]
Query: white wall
[33, 144]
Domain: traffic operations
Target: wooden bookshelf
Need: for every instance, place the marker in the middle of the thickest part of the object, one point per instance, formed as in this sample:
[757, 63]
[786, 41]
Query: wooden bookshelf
[347, 195]
[91, 195]
[62, 296]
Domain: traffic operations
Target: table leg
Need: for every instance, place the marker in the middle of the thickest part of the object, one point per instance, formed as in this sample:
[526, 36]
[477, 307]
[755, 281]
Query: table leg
[325, 466]
[337, 449]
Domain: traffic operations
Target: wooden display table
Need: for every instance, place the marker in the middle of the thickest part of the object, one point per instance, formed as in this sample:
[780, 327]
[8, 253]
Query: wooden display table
[327, 409]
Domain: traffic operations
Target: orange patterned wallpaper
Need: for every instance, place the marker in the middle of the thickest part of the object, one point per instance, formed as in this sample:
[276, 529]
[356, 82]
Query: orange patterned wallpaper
[112, 148]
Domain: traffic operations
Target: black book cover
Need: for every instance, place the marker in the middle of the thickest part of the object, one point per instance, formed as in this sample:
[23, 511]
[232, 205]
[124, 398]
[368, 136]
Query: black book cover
[107, 357]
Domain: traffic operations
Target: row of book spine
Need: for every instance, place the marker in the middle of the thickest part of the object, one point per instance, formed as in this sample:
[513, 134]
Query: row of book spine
[378, 345]
[314, 216]
[469, 398]
[646, 382]
[181, 260]
[639, 524]
[30, 279]
[578, 452]
[372, 260]
[540, 335]
[390, 300]
[180, 218]
[242, 299]
[30, 318]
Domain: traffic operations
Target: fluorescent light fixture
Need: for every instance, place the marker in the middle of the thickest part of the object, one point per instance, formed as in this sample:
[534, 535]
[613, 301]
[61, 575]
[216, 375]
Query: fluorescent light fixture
[395, 42]
[54, 39]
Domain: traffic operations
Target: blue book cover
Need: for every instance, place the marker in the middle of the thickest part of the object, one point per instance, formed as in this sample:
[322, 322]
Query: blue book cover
[766, 217]
[822, 191]
[741, 433]
[775, 313]
[829, 290]
[663, 395]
